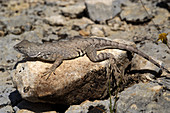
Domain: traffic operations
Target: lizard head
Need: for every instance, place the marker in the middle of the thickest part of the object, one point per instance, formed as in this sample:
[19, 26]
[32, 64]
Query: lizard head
[27, 48]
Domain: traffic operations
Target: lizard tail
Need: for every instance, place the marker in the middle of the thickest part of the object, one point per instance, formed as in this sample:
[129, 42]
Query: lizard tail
[135, 50]
[115, 45]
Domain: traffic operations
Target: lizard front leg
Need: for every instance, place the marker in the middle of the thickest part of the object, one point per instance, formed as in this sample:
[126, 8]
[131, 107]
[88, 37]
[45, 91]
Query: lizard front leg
[57, 63]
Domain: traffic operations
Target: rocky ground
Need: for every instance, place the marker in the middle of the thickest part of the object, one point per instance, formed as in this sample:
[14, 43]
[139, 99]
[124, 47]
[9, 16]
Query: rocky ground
[49, 20]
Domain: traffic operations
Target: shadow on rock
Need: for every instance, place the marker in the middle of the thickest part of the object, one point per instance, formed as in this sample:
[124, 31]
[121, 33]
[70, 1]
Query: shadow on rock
[19, 103]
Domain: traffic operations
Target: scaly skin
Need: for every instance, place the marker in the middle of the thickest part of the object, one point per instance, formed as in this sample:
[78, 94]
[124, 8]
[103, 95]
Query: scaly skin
[76, 47]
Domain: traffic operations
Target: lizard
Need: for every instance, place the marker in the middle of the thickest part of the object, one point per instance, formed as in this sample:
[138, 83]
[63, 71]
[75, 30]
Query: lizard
[74, 48]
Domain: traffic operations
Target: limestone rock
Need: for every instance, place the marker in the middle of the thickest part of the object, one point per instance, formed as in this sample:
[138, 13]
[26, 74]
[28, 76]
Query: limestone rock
[6, 88]
[97, 31]
[135, 14]
[6, 109]
[147, 97]
[18, 24]
[55, 20]
[102, 10]
[74, 80]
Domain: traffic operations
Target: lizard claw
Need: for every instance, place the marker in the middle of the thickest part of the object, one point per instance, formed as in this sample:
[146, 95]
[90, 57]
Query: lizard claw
[47, 73]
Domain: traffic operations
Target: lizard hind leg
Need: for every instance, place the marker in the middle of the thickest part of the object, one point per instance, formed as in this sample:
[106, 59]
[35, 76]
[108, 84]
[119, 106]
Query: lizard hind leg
[91, 53]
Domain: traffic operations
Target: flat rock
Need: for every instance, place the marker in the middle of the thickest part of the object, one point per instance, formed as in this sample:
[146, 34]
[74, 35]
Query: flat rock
[136, 14]
[160, 52]
[6, 88]
[18, 24]
[102, 10]
[147, 97]
[8, 55]
[74, 80]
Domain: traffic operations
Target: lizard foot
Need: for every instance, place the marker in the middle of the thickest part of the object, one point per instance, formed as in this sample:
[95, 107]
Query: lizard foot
[53, 67]
[47, 73]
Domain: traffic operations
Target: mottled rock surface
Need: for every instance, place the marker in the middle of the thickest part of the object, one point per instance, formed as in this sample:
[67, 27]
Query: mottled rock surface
[102, 10]
[55, 20]
[142, 97]
[135, 13]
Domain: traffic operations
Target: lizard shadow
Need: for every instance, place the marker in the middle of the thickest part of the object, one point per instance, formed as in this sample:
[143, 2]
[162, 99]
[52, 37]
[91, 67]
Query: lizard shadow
[144, 71]
[30, 59]
[19, 103]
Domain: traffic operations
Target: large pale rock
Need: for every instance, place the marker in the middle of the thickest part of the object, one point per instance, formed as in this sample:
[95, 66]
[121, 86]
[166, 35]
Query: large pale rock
[74, 80]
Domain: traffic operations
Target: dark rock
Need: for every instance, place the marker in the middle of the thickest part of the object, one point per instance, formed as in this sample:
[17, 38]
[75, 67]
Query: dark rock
[100, 11]
[34, 107]
[164, 4]
[15, 98]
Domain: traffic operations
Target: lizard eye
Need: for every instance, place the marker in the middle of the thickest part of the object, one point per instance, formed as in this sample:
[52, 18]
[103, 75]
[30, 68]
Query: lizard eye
[16, 47]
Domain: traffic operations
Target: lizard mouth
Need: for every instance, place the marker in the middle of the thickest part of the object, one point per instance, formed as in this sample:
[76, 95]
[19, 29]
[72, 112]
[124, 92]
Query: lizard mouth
[18, 48]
